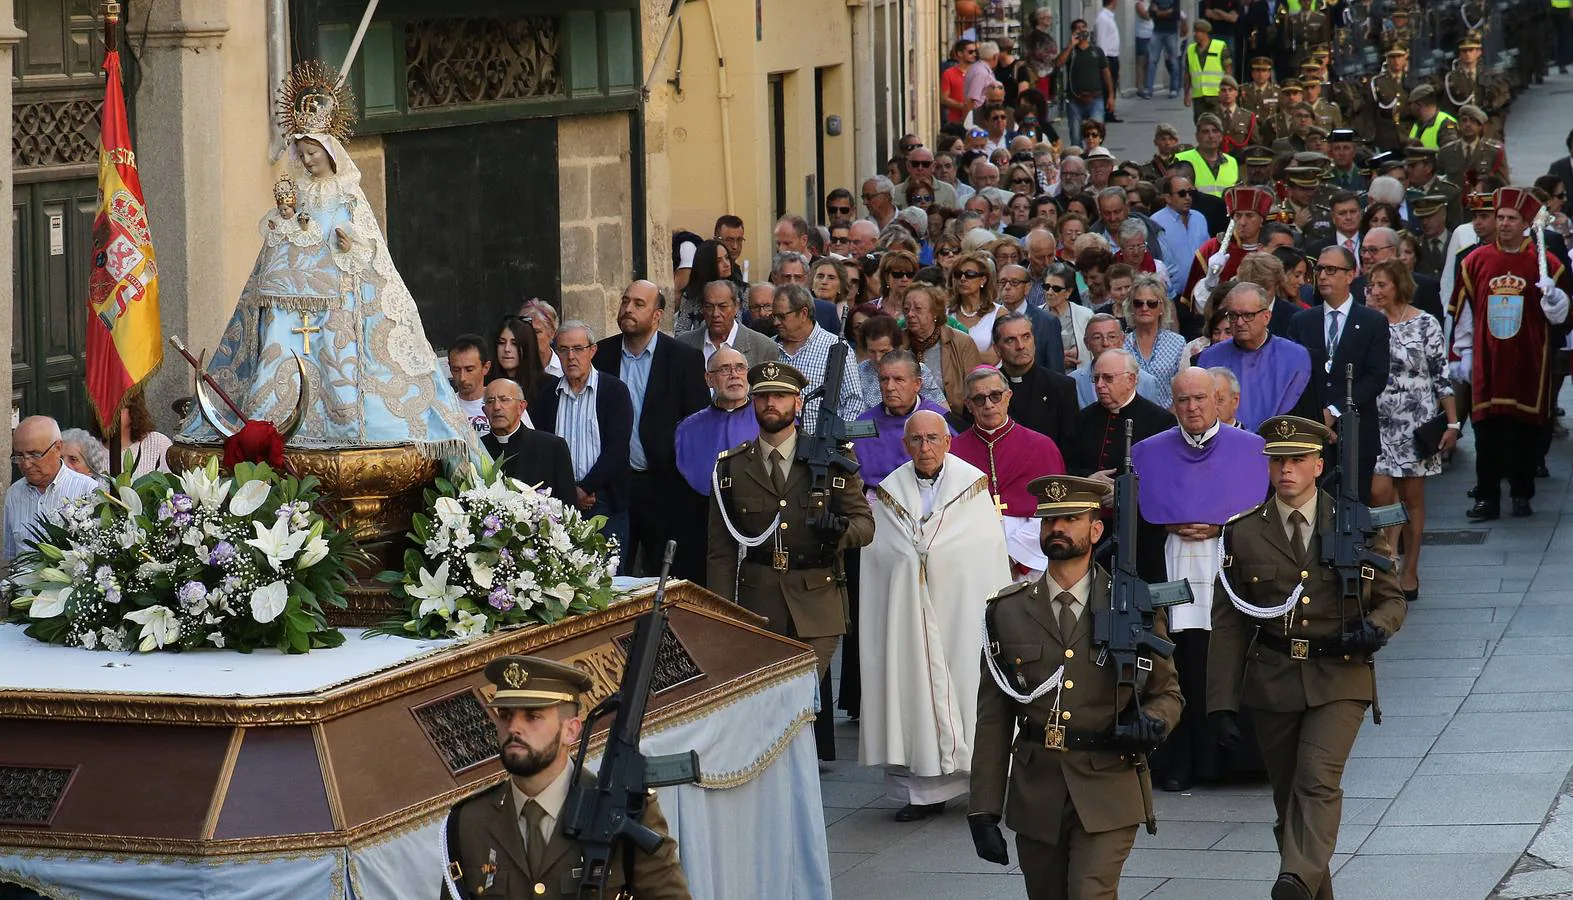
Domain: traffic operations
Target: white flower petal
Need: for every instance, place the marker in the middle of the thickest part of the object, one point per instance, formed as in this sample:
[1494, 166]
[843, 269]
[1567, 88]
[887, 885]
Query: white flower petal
[251, 495]
[268, 601]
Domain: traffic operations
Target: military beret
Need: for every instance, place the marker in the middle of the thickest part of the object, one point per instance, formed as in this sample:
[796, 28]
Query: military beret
[1317, 131]
[1228, 82]
[1471, 111]
[1204, 26]
[775, 378]
[1304, 107]
[1066, 495]
[1294, 436]
[530, 682]
[1209, 119]
[1430, 204]
[1423, 92]
[1164, 128]
[1312, 158]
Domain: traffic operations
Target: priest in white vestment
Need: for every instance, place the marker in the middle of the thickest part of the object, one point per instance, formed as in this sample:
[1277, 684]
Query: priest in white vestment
[938, 553]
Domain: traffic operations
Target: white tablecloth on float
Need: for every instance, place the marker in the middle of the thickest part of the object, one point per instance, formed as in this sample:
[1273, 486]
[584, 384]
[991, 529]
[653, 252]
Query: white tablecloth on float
[753, 827]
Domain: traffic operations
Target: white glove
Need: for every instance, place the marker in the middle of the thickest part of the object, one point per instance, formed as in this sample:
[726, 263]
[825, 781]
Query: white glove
[1461, 370]
[1553, 301]
[1215, 264]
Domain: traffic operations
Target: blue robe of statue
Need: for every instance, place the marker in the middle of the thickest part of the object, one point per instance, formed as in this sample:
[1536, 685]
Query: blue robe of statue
[325, 288]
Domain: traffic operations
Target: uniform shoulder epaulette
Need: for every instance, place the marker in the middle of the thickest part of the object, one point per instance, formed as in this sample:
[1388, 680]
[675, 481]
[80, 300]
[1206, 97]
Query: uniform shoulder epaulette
[1491, 143]
[1253, 510]
[1007, 590]
[486, 796]
[732, 452]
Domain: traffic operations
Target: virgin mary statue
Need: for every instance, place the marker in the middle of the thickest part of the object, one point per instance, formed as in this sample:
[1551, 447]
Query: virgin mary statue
[325, 290]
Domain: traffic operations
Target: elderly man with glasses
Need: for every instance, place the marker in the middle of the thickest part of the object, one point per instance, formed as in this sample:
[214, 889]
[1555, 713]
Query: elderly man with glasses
[1380, 244]
[920, 165]
[47, 484]
[534, 457]
[1272, 371]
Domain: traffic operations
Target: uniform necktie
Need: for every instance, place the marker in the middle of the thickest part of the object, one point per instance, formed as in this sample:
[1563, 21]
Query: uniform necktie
[535, 847]
[1067, 603]
[1297, 524]
[777, 474]
[1332, 332]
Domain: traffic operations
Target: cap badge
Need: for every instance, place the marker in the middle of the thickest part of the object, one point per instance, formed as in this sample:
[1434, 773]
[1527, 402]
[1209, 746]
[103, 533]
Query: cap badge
[1285, 429]
[1056, 491]
[515, 676]
[771, 371]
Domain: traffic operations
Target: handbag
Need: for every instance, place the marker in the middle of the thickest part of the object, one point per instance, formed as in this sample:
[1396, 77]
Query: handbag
[1428, 436]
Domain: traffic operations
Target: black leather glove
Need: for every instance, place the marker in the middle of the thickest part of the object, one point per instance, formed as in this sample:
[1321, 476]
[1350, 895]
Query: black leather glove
[988, 839]
[829, 526]
[1365, 639]
[1142, 735]
[1225, 727]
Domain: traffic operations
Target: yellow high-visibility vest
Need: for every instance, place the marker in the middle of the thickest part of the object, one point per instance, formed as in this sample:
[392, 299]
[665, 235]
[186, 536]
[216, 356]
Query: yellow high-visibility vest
[1206, 72]
[1562, 4]
[1428, 135]
[1227, 176]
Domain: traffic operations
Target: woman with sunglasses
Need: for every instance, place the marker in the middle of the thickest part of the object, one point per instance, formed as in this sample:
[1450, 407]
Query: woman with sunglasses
[1158, 347]
[972, 293]
[1019, 179]
[1556, 204]
[1059, 298]
[896, 272]
[942, 348]
[947, 249]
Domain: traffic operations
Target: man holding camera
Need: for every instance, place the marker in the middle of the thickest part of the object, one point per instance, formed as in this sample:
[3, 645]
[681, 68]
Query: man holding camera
[1088, 79]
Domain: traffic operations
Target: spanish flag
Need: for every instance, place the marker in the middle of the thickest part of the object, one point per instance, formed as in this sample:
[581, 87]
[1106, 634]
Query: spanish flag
[125, 340]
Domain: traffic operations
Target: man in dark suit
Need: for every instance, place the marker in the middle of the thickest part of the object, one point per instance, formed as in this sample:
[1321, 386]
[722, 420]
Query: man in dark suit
[591, 411]
[1040, 399]
[1339, 332]
[666, 383]
[533, 457]
[1563, 168]
[1013, 281]
[1380, 244]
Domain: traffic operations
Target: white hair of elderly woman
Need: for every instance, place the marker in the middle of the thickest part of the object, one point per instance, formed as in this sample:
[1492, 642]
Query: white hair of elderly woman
[92, 451]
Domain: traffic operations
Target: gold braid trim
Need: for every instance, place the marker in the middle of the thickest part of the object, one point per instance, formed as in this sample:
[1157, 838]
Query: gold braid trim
[11, 876]
[725, 780]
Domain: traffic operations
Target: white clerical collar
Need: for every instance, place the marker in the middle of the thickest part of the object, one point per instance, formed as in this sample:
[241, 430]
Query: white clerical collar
[1200, 440]
[503, 438]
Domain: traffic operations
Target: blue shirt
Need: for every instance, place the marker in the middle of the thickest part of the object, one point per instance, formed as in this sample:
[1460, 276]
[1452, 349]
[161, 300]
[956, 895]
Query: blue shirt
[26, 506]
[578, 424]
[635, 373]
[1180, 241]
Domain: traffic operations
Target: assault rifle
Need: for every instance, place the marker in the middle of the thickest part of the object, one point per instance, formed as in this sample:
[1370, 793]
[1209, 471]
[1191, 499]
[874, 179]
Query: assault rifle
[1125, 631]
[822, 450]
[601, 815]
[1346, 547]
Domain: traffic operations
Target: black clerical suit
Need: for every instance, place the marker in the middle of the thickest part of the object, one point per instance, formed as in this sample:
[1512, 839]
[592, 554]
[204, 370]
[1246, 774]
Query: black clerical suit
[1045, 402]
[1363, 341]
[662, 506]
[535, 458]
[1098, 443]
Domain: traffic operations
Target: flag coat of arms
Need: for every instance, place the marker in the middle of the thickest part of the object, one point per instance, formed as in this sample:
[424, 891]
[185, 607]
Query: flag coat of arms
[125, 342]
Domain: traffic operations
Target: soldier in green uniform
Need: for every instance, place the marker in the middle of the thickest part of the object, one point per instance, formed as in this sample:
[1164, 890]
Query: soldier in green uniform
[1290, 93]
[1239, 123]
[1432, 127]
[1302, 32]
[773, 542]
[1344, 173]
[507, 841]
[1328, 115]
[1166, 143]
[1044, 752]
[1285, 647]
[1389, 100]
[1310, 215]
[1398, 31]
[1467, 83]
[1301, 120]
[1473, 156]
[1429, 215]
[1420, 175]
[1260, 96]
[1259, 163]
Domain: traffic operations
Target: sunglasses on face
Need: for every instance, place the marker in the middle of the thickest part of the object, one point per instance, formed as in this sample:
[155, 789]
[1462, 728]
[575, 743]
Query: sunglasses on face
[1056, 288]
[977, 133]
[973, 274]
[1021, 181]
[919, 163]
[1184, 193]
[989, 399]
[921, 198]
[840, 210]
[947, 251]
[1146, 304]
[908, 148]
[899, 273]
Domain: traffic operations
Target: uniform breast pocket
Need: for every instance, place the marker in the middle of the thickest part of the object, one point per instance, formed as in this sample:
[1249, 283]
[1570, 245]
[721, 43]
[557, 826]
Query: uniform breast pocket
[1253, 575]
[1025, 659]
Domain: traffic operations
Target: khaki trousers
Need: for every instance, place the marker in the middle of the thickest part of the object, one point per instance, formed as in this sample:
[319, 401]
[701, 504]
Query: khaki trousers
[1305, 753]
[1080, 866]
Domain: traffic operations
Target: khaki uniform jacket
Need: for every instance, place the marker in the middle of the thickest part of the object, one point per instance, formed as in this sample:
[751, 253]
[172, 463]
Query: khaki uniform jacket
[1102, 784]
[487, 824]
[809, 594]
[1239, 128]
[1328, 115]
[1263, 570]
[1465, 166]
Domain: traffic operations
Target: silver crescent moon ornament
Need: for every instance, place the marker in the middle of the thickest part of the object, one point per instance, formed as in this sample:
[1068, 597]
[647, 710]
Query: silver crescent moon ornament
[302, 401]
[211, 415]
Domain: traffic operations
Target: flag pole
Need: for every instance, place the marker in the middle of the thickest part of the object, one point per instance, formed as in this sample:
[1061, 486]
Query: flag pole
[112, 45]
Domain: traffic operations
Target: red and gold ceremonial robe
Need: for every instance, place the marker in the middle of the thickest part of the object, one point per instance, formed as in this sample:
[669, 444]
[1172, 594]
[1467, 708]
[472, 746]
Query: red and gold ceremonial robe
[1513, 341]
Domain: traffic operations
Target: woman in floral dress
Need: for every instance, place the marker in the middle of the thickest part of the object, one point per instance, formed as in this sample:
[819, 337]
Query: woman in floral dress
[1417, 389]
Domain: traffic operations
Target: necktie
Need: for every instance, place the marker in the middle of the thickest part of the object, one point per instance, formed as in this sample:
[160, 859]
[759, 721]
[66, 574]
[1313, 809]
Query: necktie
[1349, 244]
[1067, 602]
[778, 472]
[535, 847]
[1297, 524]
[1332, 332]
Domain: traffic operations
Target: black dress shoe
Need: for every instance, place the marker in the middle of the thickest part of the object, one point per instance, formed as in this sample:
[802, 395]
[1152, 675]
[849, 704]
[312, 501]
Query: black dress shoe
[912, 812]
[1483, 512]
[1521, 508]
[1290, 887]
[1111, 117]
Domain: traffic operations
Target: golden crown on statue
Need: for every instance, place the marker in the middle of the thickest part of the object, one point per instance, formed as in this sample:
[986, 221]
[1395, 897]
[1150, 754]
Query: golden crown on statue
[314, 101]
[284, 191]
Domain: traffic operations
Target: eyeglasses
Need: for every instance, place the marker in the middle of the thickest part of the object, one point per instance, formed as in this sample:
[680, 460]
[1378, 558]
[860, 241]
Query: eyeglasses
[1560, 196]
[1334, 270]
[781, 316]
[715, 307]
[1056, 288]
[1014, 282]
[1242, 316]
[1375, 248]
[1110, 378]
[1147, 304]
[925, 440]
[919, 163]
[899, 273]
[977, 133]
[1021, 181]
[989, 399]
[971, 274]
[33, 456]
[575, 350]
[842, 239]
[731, 369]
[498, 401]
[999, 117]
[908, 148]
[1132, 248]
[947, 251]
[839, 210]
[921, 198]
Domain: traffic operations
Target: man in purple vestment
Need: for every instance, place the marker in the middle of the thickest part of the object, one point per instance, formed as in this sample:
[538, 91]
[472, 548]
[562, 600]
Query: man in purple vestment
[1011, 455]
[1273, 371]
[727, 422]
[1194, 478]
[900, 386]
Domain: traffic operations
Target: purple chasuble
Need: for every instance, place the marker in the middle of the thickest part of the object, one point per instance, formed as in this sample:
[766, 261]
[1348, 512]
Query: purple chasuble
[1181, 484]
[1011, 458]
[703, 435]
[879, 456]
[1272, 377]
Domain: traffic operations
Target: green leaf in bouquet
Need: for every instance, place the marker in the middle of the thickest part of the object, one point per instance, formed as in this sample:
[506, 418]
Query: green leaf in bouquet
[413, 561]
[390, 576]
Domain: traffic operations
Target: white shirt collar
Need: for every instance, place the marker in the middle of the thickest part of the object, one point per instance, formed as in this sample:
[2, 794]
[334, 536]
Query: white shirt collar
[731, 339]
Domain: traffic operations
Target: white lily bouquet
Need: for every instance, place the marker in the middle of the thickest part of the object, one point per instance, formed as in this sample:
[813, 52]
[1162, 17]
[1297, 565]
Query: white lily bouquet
[495, 552]
[178, 563]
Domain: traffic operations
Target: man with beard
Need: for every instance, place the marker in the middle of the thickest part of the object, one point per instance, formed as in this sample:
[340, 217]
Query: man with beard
[1285, 648]
[771, 550]
[937, 554]
[507, 840]
[1076, 795]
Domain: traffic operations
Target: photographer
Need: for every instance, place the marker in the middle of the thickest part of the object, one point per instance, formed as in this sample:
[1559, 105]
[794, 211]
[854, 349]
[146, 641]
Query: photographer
[1087, 78]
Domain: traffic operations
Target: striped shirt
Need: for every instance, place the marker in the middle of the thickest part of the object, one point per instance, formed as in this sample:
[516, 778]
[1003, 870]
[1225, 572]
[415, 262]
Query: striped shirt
[810, 359]
[578, 424]
[635, 372]
[25, 505]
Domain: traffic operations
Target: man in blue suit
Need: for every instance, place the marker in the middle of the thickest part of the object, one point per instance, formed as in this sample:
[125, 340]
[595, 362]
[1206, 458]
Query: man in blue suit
[1340, 332]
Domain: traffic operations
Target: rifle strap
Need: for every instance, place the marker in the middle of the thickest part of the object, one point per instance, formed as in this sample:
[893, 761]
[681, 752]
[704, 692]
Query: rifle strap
[1255, 612]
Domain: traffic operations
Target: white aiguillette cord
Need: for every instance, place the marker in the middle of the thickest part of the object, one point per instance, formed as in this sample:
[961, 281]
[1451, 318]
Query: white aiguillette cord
[1255, 612]
[744, 543]
[1052, 684]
